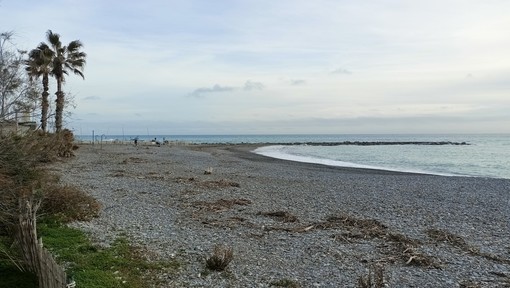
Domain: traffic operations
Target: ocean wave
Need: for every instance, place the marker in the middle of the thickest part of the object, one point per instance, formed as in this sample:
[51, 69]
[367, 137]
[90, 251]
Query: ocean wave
[281, 152]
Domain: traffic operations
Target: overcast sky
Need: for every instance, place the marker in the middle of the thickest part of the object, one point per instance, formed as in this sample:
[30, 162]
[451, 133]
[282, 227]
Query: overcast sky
[280, 66]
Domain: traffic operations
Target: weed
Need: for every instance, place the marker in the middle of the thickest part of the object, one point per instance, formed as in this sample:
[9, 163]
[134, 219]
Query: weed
[220, 258]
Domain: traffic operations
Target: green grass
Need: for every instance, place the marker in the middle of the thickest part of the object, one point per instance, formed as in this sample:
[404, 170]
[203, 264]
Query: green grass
[120, 265]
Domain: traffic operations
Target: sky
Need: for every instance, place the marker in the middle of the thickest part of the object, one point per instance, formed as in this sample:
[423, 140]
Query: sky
[279, 66]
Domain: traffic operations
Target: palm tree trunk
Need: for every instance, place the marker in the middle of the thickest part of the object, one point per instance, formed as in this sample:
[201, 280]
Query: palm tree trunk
[59, 109]
[45, 103]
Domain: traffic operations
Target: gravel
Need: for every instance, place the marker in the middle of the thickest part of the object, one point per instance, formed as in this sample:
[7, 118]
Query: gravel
[163, 200]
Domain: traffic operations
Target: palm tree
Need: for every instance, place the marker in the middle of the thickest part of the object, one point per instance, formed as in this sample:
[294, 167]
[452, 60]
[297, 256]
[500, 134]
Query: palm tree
[65, 59]
[39, 65]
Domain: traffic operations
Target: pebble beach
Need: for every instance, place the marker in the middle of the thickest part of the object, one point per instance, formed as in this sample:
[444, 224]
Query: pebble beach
[291, 223]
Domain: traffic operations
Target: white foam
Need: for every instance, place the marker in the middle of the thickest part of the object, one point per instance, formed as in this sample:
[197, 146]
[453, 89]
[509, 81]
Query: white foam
[278, 151]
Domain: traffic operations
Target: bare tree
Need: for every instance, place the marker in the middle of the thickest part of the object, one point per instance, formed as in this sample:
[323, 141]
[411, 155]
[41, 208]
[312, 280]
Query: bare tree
[17, 94]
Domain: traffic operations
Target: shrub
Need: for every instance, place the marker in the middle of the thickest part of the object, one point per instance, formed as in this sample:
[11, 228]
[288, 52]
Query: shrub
[25, 186]
[221, 257]
[69, 203]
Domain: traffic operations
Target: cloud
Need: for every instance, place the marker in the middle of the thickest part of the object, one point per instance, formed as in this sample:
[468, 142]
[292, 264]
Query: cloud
[341, 71]
[92, 98]
[215, 89]
[297, 82]
[250, 85]
[382, 63]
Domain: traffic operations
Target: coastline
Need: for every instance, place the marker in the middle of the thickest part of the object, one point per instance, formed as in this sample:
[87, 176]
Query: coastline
[162, 199]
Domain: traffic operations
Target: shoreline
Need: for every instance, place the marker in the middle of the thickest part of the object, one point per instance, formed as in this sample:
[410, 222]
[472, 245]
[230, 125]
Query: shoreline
[308, 143]
[311, 160]
[162, 199]
[248, 148]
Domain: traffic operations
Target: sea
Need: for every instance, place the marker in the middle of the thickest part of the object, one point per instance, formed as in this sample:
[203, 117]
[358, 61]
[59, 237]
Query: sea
[486, 155]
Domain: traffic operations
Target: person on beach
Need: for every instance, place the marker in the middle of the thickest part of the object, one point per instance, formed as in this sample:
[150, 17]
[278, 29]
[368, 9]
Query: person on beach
[136, 141]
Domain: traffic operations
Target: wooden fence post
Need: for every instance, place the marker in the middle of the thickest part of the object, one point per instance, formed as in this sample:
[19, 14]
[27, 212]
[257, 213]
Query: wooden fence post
[36, 257]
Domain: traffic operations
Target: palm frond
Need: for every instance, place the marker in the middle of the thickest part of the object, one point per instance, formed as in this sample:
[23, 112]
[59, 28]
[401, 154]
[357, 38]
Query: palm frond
[54, 39]
[79, 73]
[43, 46]
[74, 46]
